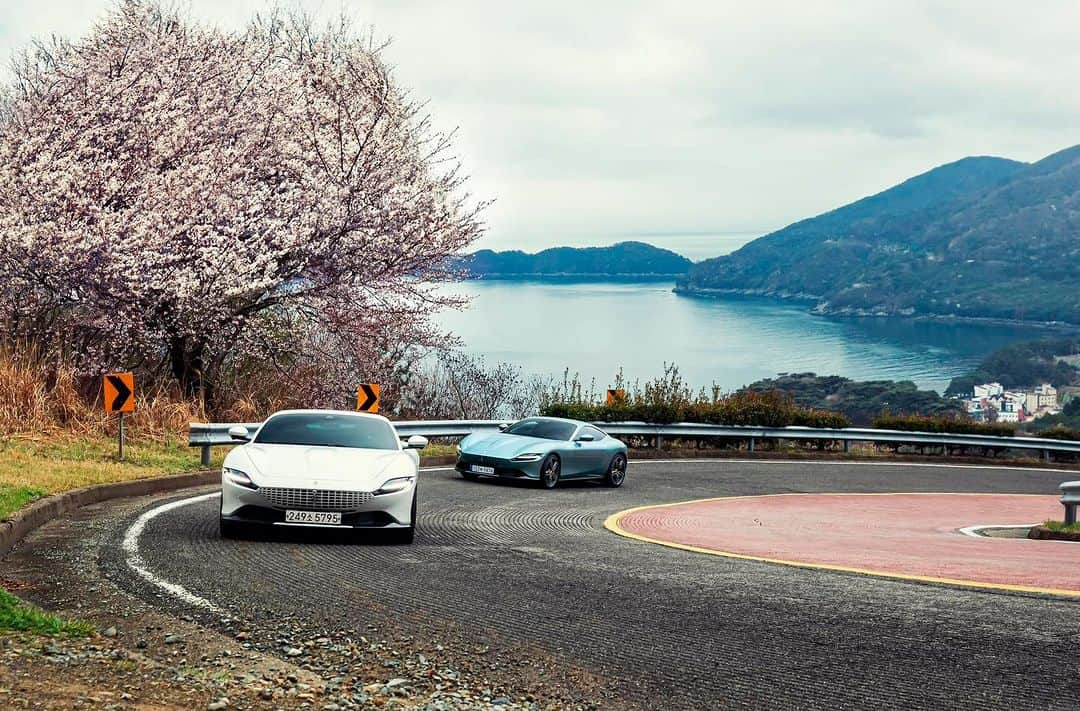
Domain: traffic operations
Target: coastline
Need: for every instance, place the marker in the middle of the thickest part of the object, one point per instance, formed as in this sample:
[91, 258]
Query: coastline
[822, 309]
[574, 276]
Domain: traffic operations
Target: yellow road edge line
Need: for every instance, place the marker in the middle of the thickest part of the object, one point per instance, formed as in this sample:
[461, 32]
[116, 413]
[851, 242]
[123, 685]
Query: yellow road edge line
[611, 523]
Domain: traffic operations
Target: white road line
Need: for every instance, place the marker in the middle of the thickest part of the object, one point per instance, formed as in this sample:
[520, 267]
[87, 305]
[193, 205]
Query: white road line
[849, 462]
[135, 561]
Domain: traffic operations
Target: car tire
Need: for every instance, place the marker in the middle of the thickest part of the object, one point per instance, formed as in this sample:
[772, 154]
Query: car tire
[550, 470]
[616, 471]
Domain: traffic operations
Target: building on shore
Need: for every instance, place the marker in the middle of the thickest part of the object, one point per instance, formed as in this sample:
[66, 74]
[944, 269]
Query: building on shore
[991, 402]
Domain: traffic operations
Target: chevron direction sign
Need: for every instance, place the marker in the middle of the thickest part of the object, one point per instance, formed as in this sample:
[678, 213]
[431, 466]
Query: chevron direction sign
[367, 397]
[119, 391]
[616, 396]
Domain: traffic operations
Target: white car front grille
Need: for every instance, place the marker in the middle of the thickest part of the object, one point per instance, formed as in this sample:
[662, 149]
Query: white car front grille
[315, 499]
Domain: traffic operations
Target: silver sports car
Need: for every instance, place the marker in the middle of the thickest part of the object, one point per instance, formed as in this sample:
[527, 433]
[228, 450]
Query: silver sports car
[544, 449]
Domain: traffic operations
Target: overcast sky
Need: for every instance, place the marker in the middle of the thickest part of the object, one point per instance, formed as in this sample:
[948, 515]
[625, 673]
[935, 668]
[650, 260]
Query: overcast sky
[592, 120]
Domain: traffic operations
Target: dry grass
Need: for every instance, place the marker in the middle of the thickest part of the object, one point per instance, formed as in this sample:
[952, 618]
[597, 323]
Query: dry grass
[42, 397]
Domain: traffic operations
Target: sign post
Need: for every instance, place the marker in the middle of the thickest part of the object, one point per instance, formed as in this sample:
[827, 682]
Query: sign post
[119, 392]
[367, 397]
[616, 396]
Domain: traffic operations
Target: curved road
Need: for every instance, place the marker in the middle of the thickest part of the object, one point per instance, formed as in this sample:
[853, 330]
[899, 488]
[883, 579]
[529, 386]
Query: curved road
[527, 571]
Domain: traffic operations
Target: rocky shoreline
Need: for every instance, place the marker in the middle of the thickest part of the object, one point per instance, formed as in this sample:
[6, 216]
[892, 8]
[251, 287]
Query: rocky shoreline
[821, 307]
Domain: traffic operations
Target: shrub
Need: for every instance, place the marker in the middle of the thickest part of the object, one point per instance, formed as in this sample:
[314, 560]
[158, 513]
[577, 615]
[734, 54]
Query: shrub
[951, 425]
[1060, 432]
[772, 409]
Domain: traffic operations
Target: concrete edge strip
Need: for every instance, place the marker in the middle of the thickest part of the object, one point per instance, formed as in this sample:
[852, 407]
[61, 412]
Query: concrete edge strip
[977, 530]
[44, 510]
[612, 523]
[130, 545]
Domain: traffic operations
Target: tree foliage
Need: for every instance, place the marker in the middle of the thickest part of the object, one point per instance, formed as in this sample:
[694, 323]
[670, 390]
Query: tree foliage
[1023, 365]
[193, 201]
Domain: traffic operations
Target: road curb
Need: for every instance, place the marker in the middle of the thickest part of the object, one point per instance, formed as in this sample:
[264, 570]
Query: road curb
[41, 512]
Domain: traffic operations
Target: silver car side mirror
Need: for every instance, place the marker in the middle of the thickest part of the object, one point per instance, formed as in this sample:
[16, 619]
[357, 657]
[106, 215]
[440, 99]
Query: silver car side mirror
[503, 426]
[416, 442]
[585, 437]
[239, 433]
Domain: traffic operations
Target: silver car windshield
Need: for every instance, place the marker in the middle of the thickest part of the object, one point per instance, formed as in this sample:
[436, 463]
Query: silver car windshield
[544, 429]
[327, 430]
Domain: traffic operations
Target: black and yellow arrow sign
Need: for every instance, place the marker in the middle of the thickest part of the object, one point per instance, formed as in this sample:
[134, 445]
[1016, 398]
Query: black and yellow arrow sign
[119, 390]
[615, 397]
[367, 397]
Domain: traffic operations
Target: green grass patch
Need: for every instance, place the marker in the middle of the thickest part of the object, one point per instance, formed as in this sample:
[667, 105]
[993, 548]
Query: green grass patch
[17, 616]
[13, 498]
[32, 468]
[1060, 527]
[438, 450]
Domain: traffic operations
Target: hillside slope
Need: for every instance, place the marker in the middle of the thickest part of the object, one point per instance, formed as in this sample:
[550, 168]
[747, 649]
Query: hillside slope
[624, 259]
[981, 237]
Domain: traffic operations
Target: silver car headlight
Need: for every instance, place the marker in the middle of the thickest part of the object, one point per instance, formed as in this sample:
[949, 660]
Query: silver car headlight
[392, 486]
[528, 457]
[235, 476]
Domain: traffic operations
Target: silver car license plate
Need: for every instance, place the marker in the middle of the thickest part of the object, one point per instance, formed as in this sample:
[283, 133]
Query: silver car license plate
[326, 518]
[481, 470]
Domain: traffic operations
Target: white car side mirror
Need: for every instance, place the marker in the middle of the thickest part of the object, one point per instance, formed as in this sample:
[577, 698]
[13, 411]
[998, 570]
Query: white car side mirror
[416, 442]
[239, 432]
[585, 437]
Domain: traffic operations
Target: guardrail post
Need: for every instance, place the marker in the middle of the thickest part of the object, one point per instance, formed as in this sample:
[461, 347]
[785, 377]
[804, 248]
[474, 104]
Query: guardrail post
[1046, 456]
[204, 458]
[659, 442]
[847, 446]
[751, 445]
[1070, 497]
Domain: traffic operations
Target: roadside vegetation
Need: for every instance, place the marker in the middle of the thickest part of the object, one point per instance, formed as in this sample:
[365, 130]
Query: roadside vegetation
[669, 398]
[1061, 527]
[17, 616]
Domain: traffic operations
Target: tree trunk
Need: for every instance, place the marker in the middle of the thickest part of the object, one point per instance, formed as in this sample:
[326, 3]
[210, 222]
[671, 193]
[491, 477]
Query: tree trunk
[188, 367]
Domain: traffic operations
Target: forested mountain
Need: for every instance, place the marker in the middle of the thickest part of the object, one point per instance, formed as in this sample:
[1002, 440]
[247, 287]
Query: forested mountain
[861, 401]
[624, 259]
[981, 237]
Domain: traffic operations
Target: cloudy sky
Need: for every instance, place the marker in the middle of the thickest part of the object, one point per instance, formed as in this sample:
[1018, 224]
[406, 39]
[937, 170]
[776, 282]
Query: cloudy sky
[593, 121]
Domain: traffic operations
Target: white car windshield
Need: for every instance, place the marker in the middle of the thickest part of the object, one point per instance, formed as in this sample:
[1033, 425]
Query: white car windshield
[328, 430]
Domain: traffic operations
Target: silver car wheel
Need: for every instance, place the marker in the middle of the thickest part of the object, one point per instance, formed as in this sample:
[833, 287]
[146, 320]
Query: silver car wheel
[549, 472]
[617, 470]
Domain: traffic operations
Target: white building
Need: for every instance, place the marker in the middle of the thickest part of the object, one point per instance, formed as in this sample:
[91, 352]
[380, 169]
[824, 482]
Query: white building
[988, 390]
[1044, 397]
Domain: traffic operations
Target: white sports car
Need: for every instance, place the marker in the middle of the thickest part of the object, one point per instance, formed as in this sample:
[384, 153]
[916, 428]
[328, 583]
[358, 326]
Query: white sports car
[321, 468]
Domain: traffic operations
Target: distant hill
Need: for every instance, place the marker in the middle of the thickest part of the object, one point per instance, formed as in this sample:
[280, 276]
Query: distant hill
[982, 237]
[625, 259]
[861, 401]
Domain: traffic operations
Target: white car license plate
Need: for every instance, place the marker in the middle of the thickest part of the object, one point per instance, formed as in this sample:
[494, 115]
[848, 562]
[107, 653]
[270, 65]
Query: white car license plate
[330, 518]
[481, 470]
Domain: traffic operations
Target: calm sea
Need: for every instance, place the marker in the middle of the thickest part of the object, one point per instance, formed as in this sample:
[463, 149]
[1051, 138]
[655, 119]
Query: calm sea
[597, 328]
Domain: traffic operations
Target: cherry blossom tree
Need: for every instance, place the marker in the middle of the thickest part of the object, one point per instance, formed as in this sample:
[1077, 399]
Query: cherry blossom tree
[177, 197]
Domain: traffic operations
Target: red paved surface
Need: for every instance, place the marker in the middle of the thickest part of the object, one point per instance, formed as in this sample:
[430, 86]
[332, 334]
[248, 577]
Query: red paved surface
[906, 534]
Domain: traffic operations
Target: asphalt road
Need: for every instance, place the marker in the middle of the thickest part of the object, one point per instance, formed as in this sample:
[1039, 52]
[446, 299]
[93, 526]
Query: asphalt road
[526, 571]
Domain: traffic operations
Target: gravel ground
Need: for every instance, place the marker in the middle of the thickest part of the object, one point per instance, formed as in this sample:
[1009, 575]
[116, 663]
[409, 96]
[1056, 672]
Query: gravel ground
[514, 597]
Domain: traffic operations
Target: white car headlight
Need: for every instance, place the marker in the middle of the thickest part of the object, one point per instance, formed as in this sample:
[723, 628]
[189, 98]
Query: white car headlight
[392, 486]
[528, 457]
[235, 476]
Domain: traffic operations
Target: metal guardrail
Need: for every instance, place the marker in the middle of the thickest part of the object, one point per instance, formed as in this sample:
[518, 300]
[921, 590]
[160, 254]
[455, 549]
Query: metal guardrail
[217, 434]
